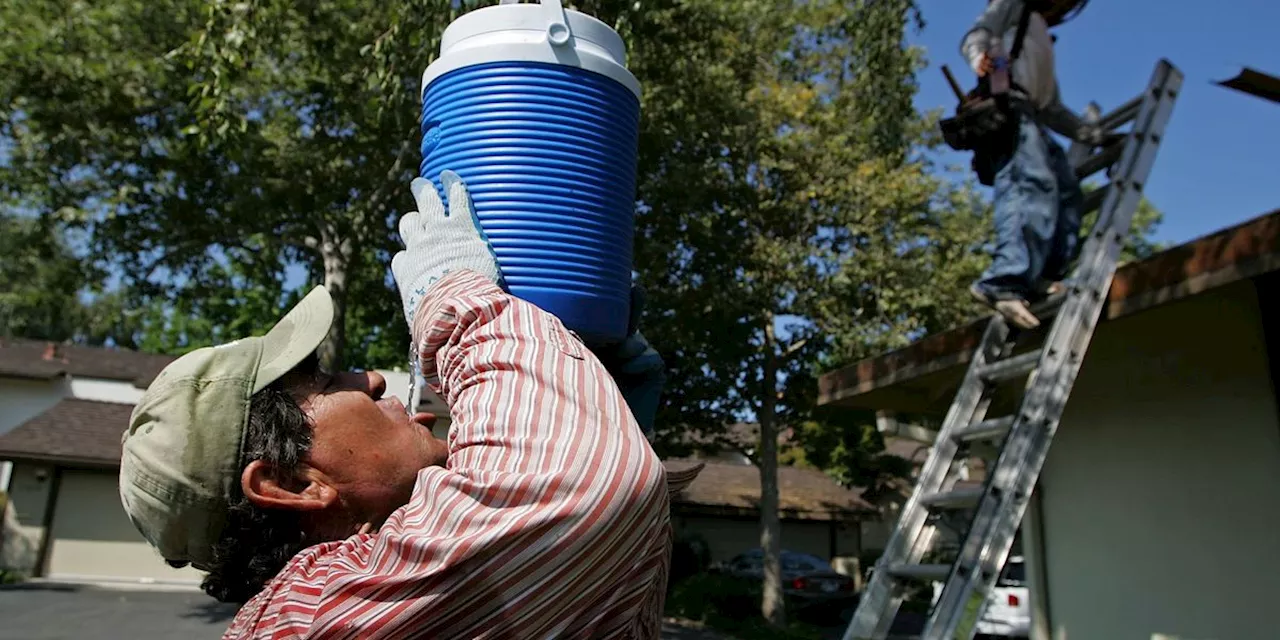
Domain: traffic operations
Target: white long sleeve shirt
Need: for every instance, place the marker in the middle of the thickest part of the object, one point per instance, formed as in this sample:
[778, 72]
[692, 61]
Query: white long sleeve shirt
[994, 32]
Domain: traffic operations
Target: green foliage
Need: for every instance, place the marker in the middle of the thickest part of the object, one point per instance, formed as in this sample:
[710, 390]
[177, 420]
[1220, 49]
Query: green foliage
[1146, 220]
[208, 146]
[729, 605]
[40, 279]
[48, 292]
[848, 447]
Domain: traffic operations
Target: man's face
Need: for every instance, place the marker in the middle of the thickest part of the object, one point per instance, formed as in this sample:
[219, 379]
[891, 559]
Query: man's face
[366, 444]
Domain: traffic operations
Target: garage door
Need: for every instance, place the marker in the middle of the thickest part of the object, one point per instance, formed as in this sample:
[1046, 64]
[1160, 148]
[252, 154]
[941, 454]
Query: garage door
[93, 538]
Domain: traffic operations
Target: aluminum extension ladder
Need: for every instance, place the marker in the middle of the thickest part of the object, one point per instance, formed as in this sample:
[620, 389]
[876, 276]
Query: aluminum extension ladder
[994, 511]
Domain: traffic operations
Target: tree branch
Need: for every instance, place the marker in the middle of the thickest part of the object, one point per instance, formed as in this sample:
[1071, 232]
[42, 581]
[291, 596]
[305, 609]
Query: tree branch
[384, 190]
[795, 346]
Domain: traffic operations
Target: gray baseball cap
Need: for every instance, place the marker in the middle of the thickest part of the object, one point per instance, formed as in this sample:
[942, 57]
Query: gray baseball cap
[181, 462]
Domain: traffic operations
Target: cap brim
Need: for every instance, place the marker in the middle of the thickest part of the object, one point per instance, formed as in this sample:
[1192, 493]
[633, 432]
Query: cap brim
[679, 476]
[297, 335]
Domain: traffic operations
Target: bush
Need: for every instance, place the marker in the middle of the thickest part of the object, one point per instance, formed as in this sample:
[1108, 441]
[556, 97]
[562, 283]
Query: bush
[730, 605]
[690, 555]
[705, 595]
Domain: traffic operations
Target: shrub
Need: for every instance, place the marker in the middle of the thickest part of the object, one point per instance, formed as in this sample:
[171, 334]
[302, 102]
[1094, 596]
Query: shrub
[730, 605]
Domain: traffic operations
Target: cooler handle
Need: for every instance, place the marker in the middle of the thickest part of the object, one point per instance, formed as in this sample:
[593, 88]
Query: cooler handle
[558, 33]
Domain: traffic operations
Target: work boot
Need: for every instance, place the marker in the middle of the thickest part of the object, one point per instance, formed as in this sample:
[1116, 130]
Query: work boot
[1015, 310]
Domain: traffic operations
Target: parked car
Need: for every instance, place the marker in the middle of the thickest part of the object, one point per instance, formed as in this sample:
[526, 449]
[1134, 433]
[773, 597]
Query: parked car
[808, 582]
[1008, 613]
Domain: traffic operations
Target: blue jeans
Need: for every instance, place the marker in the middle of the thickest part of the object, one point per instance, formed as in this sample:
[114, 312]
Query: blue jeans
[1038, 205]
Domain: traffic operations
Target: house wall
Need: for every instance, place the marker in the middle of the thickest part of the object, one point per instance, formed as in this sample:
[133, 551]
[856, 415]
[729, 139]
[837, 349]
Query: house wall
[24, 520]
[92, 537]
[727, 537]
[1161, 494]
[21, 400]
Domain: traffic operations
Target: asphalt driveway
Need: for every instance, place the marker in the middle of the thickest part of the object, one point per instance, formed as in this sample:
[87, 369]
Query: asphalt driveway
[57, 612]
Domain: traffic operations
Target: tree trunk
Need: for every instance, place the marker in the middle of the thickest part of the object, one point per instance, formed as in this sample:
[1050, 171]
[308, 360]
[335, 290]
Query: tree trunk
[336, 255]
[772, 605]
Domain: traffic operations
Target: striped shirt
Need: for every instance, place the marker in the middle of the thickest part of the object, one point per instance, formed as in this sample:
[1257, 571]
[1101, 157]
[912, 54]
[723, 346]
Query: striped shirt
[550, 519]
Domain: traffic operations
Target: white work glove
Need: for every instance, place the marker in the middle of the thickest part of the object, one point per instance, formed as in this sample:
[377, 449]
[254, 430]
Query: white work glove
[438, 243]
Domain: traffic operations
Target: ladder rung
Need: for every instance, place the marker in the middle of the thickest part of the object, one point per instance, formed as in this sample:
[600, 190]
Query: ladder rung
[992, 429]
[954, 499]
[1049, 306]
[1009, 368]
[924, 572]
[1102, 160]
[1123, 114]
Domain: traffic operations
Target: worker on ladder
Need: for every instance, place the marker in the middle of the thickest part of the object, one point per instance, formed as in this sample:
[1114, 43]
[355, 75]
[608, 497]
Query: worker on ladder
[1038, 201]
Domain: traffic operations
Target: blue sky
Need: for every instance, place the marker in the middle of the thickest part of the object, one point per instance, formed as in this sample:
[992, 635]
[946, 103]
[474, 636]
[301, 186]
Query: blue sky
[1219, 163]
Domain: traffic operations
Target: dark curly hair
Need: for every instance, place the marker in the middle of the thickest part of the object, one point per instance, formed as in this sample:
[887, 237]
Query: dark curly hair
[258, 542]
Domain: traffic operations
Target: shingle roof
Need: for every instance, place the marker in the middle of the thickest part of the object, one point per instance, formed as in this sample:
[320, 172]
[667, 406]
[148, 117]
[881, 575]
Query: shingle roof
[44, 360]
[802, 493]
[73, 430]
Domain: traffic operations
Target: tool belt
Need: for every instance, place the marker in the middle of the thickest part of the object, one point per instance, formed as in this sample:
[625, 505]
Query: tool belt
[978, 122]
[986, 125]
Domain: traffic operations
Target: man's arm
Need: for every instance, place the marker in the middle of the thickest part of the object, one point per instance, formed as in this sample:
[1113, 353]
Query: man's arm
[524, 393]
[1063, 120]
[551, 514]
[988, 30]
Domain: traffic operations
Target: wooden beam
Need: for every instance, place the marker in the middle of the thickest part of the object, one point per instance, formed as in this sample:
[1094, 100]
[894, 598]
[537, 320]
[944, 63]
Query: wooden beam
[888, 424]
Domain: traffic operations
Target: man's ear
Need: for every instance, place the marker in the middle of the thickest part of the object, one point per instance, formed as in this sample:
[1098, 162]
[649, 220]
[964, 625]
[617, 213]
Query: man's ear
[307, 490]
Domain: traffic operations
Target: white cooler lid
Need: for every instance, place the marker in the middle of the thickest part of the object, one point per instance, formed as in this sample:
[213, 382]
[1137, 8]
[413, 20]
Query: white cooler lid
[543, 32]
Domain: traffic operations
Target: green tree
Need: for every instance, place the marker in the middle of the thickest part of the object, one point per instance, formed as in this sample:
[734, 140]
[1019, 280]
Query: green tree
[1146, 220]
[49, 291]
[41, 280]
[786, 214]
[192, 137]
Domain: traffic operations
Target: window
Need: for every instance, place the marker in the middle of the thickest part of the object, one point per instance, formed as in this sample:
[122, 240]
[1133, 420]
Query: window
[1015, 575]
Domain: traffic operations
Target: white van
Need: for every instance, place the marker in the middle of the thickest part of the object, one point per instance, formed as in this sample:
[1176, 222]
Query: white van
[1008, 613]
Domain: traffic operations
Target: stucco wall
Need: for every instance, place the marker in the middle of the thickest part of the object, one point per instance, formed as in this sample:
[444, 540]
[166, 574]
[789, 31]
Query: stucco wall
[93, 538]
[24, 520]
[1162, 489]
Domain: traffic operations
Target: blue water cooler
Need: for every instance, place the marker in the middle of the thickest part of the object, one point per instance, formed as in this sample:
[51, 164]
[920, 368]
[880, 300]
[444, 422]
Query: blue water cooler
[533, 106]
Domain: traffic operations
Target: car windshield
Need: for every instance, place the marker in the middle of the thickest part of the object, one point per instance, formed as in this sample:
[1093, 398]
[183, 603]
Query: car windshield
[792, 562]
[1015, 575]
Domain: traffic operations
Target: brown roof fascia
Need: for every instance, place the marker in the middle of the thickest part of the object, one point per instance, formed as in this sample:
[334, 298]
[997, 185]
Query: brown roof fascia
[1249, 249]
[74, 462]
[1254, 83]
[20, 374]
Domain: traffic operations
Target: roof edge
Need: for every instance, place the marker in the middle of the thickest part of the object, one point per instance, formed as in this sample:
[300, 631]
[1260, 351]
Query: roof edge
[1239, 252]
[78, 462]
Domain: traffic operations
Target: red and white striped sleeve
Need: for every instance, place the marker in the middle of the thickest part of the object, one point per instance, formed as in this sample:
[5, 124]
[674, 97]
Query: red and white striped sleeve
[550, 519]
